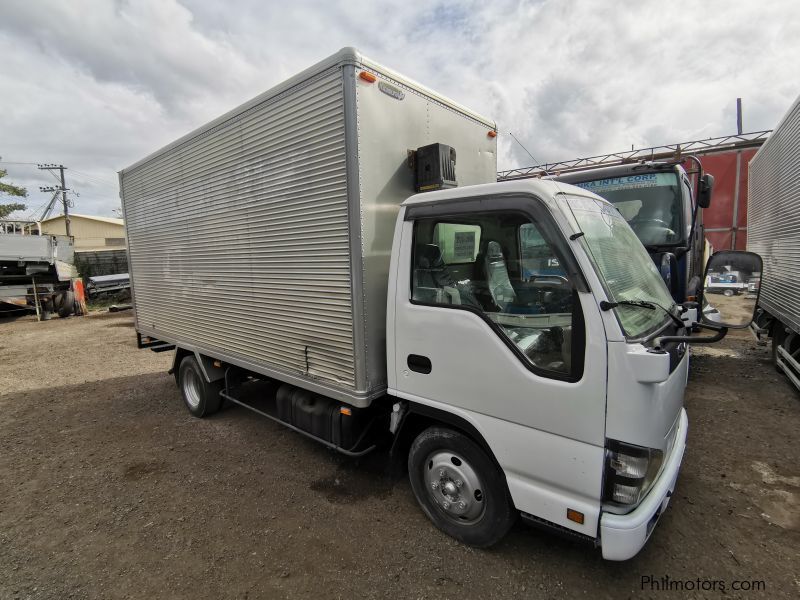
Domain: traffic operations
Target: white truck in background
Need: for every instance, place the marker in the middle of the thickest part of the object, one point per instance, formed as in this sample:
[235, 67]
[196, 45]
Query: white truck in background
[773, 216]
[283, 242]
[36, 273]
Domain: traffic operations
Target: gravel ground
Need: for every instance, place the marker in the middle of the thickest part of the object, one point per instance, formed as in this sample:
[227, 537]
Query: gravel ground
[109, 489]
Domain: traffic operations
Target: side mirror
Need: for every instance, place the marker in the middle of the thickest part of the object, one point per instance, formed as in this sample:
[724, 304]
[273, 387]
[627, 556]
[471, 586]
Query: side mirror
[704, 189]
[731, 288]
[668, 266]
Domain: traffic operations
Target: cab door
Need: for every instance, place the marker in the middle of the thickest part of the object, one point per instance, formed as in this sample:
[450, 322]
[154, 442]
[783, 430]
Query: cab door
[492, 321]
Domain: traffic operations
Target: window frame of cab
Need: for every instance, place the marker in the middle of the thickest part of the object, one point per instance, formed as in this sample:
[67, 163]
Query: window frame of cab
[531, 208]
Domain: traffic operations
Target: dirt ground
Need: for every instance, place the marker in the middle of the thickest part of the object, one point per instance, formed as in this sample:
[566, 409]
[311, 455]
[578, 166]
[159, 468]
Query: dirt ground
[109, 489]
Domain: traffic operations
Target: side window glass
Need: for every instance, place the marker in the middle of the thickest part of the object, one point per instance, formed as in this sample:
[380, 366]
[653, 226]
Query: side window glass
[501, 266]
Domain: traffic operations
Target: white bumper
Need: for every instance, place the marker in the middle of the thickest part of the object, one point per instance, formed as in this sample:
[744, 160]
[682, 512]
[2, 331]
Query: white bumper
[622, 536]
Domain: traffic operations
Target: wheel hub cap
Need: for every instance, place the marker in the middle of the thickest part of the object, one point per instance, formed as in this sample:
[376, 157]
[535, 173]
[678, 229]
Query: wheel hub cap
[454, 487]
[191, 388]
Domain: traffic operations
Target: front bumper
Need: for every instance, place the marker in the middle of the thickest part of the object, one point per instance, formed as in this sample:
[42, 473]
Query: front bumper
[622, 536]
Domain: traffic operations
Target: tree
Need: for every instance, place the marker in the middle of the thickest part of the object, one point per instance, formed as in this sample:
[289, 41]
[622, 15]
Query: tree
[10, 189]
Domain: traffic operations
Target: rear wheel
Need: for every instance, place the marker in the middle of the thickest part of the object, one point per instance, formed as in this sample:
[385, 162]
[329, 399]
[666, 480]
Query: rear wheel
[200, 396]
[67, 304]
[459, 488]
[729, 293]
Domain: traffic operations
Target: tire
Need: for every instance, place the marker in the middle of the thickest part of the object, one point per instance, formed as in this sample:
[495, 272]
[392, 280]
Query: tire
[459, 487]
[201, 398]
[729, 293]
[66, 303]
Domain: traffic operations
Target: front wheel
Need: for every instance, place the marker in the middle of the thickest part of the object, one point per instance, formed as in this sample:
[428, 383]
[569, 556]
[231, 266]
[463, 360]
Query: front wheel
[201, 397]
[728, 293]
[459, 488]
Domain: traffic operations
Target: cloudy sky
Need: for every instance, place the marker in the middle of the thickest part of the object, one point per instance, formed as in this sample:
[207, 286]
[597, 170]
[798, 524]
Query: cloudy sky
[98, 84]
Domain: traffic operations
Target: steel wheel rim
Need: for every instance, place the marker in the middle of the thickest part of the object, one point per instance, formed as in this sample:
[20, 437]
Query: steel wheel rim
[454, 487]
[191, 388]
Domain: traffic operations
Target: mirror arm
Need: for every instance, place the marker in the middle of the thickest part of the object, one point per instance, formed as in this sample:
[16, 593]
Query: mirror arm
[658, 343]
[696, 207]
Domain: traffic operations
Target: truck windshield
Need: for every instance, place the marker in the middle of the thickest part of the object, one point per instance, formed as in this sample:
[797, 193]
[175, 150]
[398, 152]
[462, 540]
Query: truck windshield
[623, 265]
[650, 203]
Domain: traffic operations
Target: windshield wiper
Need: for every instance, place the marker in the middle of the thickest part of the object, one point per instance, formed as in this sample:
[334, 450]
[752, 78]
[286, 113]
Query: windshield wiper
[604, 305]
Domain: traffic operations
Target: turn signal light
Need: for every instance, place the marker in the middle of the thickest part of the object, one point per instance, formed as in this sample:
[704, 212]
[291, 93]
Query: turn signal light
[345, 411]
[492, 133]
[367, 76]
[574, 515]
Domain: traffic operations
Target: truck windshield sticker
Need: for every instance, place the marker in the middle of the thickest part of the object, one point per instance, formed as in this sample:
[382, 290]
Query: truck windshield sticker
[629, 182]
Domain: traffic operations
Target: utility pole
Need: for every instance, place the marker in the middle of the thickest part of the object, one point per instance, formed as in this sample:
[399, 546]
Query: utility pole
[63, 189]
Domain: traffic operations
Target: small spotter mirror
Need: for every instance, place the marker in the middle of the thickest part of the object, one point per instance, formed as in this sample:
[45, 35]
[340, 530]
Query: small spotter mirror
[731, 288]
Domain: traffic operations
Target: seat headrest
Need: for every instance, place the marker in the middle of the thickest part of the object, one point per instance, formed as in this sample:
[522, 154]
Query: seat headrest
[494, 251]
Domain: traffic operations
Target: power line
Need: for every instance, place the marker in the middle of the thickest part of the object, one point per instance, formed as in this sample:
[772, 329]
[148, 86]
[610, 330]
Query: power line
[96, 179]
[521, 146]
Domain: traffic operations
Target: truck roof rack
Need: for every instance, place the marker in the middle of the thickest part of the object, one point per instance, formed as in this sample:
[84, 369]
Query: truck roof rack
[668, 152]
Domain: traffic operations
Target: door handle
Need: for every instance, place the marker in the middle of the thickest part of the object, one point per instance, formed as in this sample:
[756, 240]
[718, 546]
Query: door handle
[419, 363]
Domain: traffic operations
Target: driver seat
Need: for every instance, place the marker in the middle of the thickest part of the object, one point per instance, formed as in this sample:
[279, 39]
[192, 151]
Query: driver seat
[496, 272]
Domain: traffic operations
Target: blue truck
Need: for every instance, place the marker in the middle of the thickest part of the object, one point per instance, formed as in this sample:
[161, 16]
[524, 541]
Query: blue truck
[665, 212]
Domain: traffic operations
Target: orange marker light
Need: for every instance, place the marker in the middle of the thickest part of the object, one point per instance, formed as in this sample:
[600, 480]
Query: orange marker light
[574, 515]
[345, 411]
[217, 364]
[367, 76]
[492, 133]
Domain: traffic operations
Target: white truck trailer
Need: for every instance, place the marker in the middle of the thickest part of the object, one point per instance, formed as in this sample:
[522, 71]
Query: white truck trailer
[773, 216]
[283, 244]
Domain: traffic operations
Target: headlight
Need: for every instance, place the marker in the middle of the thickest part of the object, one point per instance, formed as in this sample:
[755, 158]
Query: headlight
[630, 472]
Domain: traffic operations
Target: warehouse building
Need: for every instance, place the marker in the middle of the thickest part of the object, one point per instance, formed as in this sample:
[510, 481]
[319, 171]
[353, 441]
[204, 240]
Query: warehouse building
[90, 233]
[99, 242]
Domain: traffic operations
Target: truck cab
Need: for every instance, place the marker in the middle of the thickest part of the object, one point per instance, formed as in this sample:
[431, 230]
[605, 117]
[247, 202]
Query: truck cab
[506, 308]
[657, 200]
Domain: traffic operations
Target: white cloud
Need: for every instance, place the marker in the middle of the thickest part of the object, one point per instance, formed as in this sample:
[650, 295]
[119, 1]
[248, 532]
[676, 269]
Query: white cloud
[96, 85]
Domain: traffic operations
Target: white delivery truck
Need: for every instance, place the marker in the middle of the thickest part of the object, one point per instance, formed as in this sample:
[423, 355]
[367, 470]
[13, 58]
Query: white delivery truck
[279, 244]
[773, 216]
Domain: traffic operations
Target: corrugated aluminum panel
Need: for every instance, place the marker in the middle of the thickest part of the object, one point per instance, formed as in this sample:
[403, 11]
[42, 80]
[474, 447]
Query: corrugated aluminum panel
[774, 218]
[238, 237]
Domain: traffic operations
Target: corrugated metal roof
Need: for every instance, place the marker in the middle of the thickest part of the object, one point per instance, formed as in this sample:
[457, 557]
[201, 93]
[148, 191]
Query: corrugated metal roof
[112, 220]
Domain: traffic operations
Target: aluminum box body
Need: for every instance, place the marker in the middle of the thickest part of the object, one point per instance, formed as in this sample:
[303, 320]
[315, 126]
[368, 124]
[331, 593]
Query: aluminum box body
[263, 238]
[773, 217]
